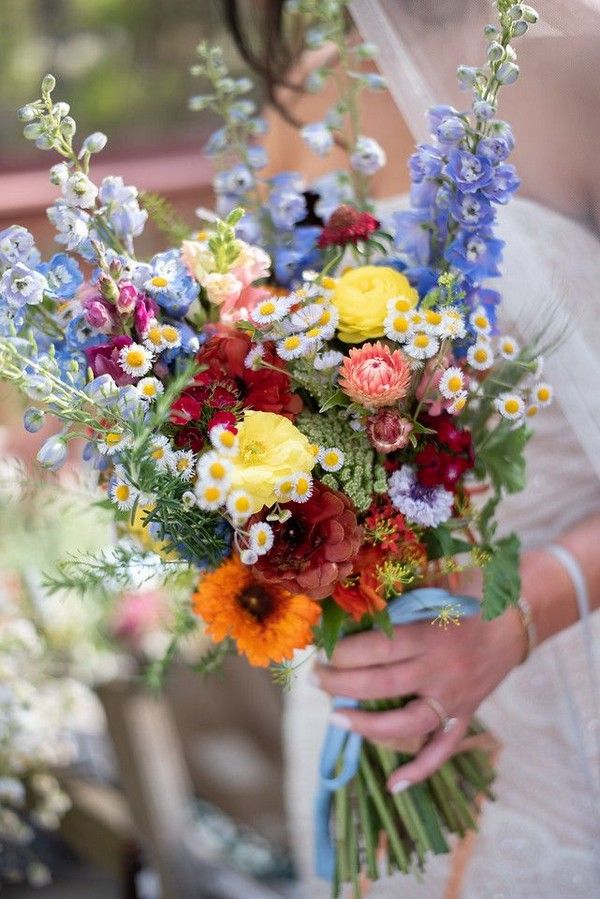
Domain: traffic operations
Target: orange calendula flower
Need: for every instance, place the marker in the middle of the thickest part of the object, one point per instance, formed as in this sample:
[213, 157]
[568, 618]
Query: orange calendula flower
[266, 622]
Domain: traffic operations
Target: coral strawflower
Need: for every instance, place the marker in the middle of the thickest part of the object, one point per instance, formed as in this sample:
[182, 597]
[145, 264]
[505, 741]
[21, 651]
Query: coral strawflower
[267, 622]
[374, 375]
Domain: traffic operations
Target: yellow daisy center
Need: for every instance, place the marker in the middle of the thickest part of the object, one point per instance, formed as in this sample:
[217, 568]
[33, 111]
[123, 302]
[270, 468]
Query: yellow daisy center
[113, 439]
[454, 383]
[401, 324]
[217, 471]
[402, 304]
[480, 355]
[331, 459]
[183, 464]
[433, 318]
[459, 405]
[242, 504]
[154, 336]
[149, 389]
[512, 406]
[328, 283]
[170, 333]
[135, 358]
[285, 487]
[212, 494]
[292, 343]
[158, 453]
[158, 281]
[325, 318]
[261, 538]
[421, 341]
[314, 332]
[227, 439]
[533, 410]
[302, 486]
[267, 308]
[122, 493]
[481, 321]
[543, 394]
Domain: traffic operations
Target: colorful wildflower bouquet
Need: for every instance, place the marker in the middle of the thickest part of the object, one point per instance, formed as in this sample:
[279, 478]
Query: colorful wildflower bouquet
[310, 411]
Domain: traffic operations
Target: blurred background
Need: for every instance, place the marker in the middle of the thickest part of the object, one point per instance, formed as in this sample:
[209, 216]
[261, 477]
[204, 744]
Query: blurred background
[105, 787]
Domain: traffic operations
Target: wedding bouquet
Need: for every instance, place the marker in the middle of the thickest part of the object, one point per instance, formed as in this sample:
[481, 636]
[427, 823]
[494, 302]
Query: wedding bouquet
[311, 410]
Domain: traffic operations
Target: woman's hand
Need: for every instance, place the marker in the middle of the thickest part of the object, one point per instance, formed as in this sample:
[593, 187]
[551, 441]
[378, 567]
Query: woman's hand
[457, 668]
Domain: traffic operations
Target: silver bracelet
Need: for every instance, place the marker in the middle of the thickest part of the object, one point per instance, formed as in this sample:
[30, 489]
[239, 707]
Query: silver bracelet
[573, 569]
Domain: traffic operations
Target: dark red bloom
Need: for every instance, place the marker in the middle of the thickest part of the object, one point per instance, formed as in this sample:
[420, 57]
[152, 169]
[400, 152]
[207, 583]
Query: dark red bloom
[223, 418]
[315, 549]
[104, 360]
[447, 456]
[347, 225]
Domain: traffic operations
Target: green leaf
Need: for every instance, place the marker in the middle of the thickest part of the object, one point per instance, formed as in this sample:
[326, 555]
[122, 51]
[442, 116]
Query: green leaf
[487, 527]
[336, 399]
[440, 543]
[331, 625]
[502, 456]
[382, 620]
[501, 578]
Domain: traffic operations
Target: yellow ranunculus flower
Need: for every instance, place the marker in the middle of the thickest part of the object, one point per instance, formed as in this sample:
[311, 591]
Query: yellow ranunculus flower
[361, 296]
[270, 447]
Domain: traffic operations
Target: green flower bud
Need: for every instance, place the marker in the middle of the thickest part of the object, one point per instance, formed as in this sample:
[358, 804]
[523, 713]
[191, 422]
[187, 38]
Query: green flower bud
[61, 109]
[519, 28]
[516, 12]
[507, 73]
[108, 288]
[26, 113]
[68, 127]
[48, 84]
[495, 52]
[530, 15]
[33, 130]
[95, 142]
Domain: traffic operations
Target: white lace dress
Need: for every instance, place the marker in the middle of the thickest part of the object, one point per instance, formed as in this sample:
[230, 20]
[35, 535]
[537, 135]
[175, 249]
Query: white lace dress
[541, 837]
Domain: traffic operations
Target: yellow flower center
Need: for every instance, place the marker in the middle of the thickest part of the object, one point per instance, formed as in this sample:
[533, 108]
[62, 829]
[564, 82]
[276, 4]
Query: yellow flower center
[454, 383]
[202, 235]
[401, 324]
[433, 318]
[212, 494]
[292, 342]
[543, 394]
[512, 406]
[421, 341]
[508, 347]
[402, 304]
[113, 439]
[314, 332]
[331, 459]
[302, 486]
[217, 471]
[183, 464]
[481, 321]
[261, 538]
[328, 283]
[122, 493]
[135, 358]
[251, 451]
[480, 355]
[227, 439]
[285, 487]
[170, 333]
[533, 410]
[158, 281]
[158, 453]
[267, 308]
[149, 389]
[155, 336]
[242, 504]
[459, 405]
[325, 318]
[314, 449]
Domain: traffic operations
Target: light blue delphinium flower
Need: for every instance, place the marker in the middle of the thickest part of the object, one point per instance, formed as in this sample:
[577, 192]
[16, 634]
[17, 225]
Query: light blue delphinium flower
[367, 156]
[472, 211]
[318, 138]
[236, 181]
[53, 454]
[505, 183]
[79, 191]
[17, 245]
[287, 207]
[63, 275]
[72, 225]
[33, 419]
[122, 208]
[11, 320]
[412, 237]
[476, 255]
[21, 286]
[468, 171]
[171, 285]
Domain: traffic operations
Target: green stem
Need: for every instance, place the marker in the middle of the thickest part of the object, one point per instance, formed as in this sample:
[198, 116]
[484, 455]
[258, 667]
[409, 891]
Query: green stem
[379, 800]
[366, 824]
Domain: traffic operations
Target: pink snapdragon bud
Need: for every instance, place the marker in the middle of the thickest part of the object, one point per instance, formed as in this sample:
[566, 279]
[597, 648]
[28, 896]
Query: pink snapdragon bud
[98, 315]
[145, 311]
[388, 431]
[127, 299]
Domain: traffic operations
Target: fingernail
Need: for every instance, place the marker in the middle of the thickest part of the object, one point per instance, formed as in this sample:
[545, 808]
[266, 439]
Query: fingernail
[399, 786]
[339, 720]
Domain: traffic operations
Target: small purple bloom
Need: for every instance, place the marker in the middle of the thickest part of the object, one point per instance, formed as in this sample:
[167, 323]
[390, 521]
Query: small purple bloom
[505, 183]
[425, 162]
[425, 506]
[20, 286]
[472, 210]
[437, 114]
[16, 245]
[367, 156]
[413, 236]
[99, 314]
[318, 138]
[450, 130]
[236, 181]
[469, 172]
[287, 208]
[477, 255]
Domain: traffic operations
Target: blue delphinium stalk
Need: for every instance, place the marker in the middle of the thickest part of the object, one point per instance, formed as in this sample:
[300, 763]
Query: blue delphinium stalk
[459, 178]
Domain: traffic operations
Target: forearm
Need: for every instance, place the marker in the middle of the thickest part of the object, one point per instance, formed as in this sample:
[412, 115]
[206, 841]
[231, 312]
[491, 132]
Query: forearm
[547, 585]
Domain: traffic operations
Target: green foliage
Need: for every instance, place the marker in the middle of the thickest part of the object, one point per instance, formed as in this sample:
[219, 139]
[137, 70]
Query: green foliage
[501, 456]
[164, 216]
[329, 630]
[223, 243]
[362, 475]
[501, 578]
[442, 544]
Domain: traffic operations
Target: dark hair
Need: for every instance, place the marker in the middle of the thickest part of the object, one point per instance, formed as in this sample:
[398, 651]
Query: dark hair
[267, 49]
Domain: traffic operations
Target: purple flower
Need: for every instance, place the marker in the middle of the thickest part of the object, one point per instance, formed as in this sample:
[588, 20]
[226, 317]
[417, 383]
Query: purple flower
[413, 236]
[450, 130]
[287, 207]
[236, 181]
[104, 360]
[505, 183]
[472, 210]
[425, 506]
[425, 162]
[318, 138]
[17, 245]
[99, 314]
[469, 172]
[145, 310]
[437, 114]
[499, 146]
[20, 286]
[477, 255]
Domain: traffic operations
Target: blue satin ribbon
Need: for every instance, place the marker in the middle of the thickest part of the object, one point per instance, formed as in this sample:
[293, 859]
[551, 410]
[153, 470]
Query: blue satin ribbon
[423, 604]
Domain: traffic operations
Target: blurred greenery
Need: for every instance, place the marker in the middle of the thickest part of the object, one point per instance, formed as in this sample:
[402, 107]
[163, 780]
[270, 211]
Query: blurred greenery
[123, 65]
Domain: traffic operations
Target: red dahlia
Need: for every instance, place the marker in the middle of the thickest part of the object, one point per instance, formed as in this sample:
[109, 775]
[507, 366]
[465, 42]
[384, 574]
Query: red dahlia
[315, 548]
[347, 225]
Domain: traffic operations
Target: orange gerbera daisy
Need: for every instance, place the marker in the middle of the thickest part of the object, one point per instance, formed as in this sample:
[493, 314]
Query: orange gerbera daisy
[266, 622]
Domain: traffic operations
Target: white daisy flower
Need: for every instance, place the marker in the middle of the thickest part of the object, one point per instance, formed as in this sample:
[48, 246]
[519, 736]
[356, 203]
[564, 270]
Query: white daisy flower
[252, 360]
[433, 321]
[509, 348]
[135, 359]
[269, 310]
[188, 499]
[330, 458]
[149, 388]
[452, 325]
[209, 496]
[248, 557]
[306, 317]
[292, 347]
[261, 538]
[542, 394]
[327, 360]
[113, 442]
[310, 275]
[510, 405]
[539, 367]
[421, 346]
[459, 403]
[479, 321]
[182, 463]
[532, 410]
[223, 440]
[215, 467]
[480, 356]
[284, 489]
[161, 452]
[153, 336]
[122, 493]
[171, 336]
[239, 505]
[397, 326]
[302, 487]
[401, 304]
[452, 383]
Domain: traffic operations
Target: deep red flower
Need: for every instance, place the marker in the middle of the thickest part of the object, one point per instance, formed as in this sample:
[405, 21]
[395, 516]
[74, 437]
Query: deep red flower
[447, 455]
[223, 418]
[315, 549]
[347, 225]
[104, 360]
